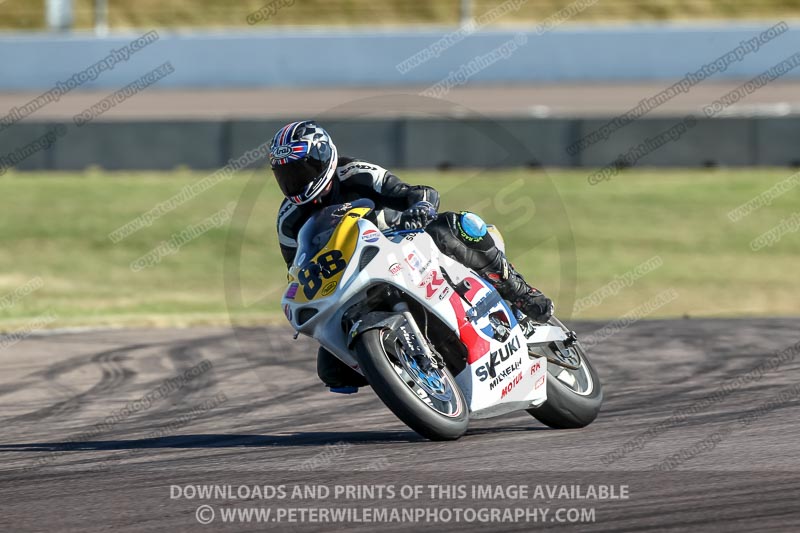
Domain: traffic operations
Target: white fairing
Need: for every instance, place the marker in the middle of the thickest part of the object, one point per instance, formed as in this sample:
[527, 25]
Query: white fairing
[500, 376]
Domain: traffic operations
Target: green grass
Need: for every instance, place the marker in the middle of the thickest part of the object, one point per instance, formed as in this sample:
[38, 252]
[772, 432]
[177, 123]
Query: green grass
[25, 14]
[569, 238]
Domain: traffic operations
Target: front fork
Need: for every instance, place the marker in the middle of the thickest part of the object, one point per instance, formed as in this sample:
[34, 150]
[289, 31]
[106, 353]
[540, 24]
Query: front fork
[415, 342]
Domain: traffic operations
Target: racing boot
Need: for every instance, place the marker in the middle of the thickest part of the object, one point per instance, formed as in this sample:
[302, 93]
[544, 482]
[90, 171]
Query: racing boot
[336, 375]
[512, 286]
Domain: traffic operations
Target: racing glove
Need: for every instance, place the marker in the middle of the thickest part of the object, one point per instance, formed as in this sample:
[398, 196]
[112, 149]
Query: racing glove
[418, 216]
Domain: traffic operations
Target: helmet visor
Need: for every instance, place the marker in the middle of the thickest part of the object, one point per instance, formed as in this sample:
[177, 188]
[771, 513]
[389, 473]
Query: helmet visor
[294, 177]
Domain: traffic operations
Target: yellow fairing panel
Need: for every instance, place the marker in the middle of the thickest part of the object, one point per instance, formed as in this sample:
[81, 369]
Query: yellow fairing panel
[319, 277]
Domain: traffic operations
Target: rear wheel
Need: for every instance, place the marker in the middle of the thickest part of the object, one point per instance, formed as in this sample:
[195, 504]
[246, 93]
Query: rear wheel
[574, 396]
[427, 401]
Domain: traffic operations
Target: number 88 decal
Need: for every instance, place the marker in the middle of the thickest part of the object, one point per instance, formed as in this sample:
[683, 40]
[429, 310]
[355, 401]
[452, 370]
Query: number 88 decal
[326, 266]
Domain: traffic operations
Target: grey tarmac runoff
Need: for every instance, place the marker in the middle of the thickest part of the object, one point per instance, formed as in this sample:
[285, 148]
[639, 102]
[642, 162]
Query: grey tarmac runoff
[160, 429]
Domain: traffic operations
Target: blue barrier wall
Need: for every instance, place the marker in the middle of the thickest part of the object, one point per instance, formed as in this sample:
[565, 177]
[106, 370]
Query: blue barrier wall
[369, 58]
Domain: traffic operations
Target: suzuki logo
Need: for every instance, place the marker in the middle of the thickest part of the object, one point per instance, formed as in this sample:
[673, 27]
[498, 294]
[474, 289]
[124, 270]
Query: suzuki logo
[431, 283]
[496, 358]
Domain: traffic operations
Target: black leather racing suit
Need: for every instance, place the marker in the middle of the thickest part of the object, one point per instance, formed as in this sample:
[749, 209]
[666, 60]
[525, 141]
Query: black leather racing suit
[357, 179]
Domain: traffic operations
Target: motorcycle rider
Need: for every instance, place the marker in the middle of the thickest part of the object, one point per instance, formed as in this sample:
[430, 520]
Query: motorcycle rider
[312, 175]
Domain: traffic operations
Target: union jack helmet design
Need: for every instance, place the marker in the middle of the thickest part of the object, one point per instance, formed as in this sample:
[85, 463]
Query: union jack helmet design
[303, 159]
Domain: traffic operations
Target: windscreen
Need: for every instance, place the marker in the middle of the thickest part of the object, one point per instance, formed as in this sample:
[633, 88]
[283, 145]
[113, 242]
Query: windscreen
[317, 230]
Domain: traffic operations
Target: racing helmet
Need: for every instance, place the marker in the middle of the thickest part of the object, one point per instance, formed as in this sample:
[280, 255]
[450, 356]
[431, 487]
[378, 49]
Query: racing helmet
[303, 159]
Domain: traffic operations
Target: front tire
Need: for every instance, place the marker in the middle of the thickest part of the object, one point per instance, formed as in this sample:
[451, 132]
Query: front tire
[379, 355]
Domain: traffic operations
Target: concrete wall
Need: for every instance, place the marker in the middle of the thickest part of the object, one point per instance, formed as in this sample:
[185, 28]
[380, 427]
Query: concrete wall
[409, 143]
[369, 58]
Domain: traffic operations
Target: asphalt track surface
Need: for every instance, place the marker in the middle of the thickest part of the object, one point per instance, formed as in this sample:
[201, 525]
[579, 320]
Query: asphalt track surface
[539, 100]
[252, 413]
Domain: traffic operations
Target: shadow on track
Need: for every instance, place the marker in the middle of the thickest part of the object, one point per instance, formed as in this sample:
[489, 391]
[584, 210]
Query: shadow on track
[245, 441]
[218, 441]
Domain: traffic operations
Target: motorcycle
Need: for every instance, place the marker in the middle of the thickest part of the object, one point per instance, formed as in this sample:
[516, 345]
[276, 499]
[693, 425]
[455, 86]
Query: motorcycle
[436, 342]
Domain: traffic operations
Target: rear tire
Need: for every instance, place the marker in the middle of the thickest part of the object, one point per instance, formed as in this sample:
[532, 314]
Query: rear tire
[377, 361]
[564, 408]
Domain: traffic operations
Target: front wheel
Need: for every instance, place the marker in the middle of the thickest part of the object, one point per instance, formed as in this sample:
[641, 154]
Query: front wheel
[429, 402]
[574, 396]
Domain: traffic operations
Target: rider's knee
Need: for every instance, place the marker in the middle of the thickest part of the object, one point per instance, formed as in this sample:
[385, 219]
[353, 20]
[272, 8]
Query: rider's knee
[471, 230]
[471, 227]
